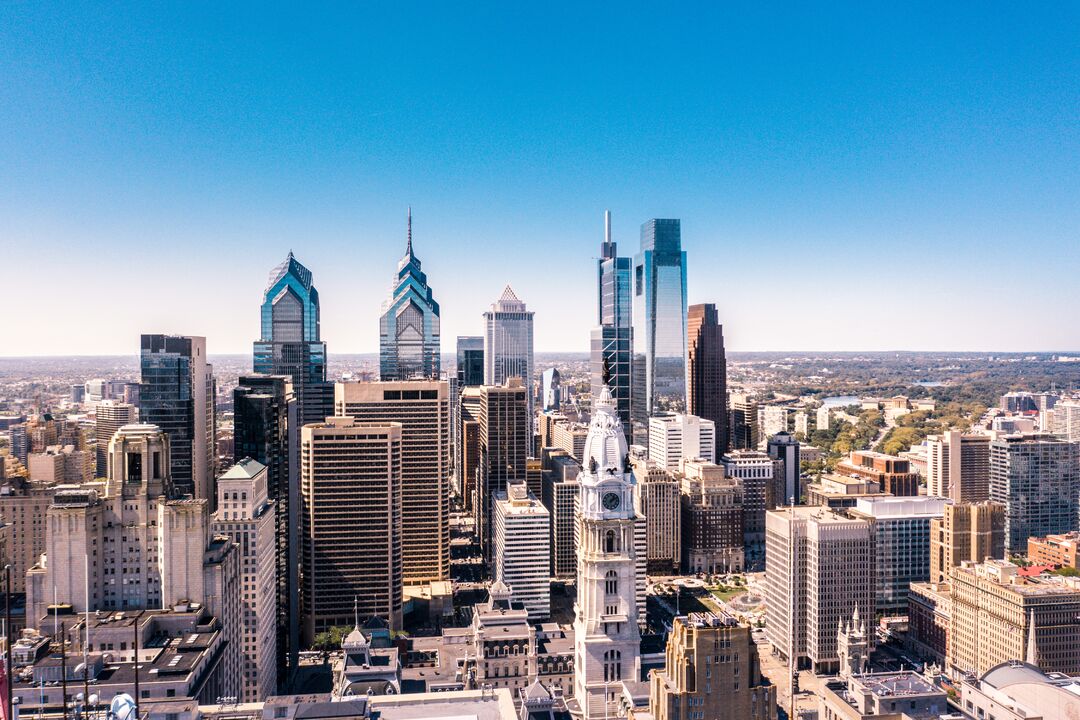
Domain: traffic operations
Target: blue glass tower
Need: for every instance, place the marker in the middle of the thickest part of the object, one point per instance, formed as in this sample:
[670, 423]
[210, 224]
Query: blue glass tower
[612, 340]
[660, 320]
[409, 344]
[290, 343]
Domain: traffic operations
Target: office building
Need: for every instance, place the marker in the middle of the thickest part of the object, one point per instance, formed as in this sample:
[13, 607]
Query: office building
[290, 341]
[820, 570]
[247, 516]
[901, 528]
[522, 560]
[659, 360]
[141, 549]
[560, 496]
[744, 423]
[1059, 550]
[1037, 479]
[958, 466]
[409, 336]
[177, 395]
[422, 408]
[110, 416]
[966, 531]
[612, 340]
[606, 636]
[570, 436]
[508, 346]
[706, 371]
[550, 390]
[266, 428]
[23, 505]
[999, 615]
[350, 523]
[711, 667]
[755, 471]
[929, 606]
[62, 464]
[712, 519]
[1013, 424]
[893, 474]
[504, 447]
[470, 360]
[784, 448]
[674, 437]
[467, 448]
[658, 500]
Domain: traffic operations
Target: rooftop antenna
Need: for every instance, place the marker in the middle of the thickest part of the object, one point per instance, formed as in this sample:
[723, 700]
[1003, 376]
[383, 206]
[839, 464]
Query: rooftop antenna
[408, 244]
[607, 227]
[356, 612]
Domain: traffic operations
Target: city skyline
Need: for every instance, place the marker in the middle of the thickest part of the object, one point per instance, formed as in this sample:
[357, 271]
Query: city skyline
[900, 163]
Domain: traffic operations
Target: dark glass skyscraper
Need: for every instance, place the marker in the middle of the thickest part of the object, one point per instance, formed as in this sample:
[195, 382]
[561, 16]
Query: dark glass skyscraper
[266, 425]
[660, 319]
[706, 391]
[612, 341]
[177, 394]
[291, 344]
[409, 344]
[470, 360]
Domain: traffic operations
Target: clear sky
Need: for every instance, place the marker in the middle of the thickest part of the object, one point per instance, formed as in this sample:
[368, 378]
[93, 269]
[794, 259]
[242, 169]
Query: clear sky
[849, 176]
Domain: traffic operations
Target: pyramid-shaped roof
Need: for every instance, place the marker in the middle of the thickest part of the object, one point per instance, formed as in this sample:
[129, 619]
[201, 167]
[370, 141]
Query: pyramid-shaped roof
[289, 266]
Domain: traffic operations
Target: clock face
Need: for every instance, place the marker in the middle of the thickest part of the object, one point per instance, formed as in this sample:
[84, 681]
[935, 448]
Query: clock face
[611, 501]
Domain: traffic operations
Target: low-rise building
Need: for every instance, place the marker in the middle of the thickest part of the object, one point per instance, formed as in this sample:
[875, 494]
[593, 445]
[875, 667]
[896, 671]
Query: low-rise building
[882, 696]
[893, 474]
[1060, 550]
[1017, 690]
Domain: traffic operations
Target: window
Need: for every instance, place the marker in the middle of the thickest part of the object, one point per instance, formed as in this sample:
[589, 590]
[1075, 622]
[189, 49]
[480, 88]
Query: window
[610, 543]
[611, 583]
[612, 665]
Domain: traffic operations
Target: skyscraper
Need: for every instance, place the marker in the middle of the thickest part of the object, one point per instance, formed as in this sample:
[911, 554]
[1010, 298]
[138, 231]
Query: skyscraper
[409, 327]
[674, 437]
[612, 340]
[291, 344]
[958, 466]
[470, 373]
[177, 395]
[110, 416]
[470, 360]
[266, 428]
[422, 409]
[785, 448]
[660, 318]
[350, 523]
[551, 390]
[706, 372]
[508, 345]
[504, 446]
[522, 546]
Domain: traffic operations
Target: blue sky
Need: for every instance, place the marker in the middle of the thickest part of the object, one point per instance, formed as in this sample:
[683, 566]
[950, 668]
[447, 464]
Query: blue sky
[858, 176]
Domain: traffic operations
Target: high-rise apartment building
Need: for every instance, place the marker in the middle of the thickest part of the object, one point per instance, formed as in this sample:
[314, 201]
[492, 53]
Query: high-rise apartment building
[658, 500]
[706, 371]
[997, 616]
[784, 448]
[820, 569]
[612, 340]
[246, 515]
[1037, 478]
[508, 346]
[675, 437]
[350, 523]
[521, 534]
[754, 470]
[110, 416]
[958, 466]
[966, 531]
[893, 474]
[504, 447]
[422, 408]
[711, 670]
[744, 433]
[290, 341]
[659, 283]
[266, 428]
[177, 395]
[902, 543]
[409, 335]
[712, 519]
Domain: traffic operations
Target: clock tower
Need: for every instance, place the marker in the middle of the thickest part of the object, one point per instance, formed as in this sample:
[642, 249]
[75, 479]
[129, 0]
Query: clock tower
[607, 642]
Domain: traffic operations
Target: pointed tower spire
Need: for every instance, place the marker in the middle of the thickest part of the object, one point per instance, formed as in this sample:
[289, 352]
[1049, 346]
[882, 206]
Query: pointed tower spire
[1032, 648]
[408, 243]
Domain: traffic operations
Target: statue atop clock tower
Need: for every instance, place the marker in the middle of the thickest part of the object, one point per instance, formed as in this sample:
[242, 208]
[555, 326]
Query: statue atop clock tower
[607, 642]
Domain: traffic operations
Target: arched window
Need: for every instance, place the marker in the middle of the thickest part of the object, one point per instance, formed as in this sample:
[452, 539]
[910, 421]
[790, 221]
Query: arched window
[611, 583]
[612, 666]
[610, 543]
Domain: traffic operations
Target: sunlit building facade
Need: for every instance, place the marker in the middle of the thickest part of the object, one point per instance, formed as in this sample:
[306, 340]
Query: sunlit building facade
[660, 318]
[409, 343]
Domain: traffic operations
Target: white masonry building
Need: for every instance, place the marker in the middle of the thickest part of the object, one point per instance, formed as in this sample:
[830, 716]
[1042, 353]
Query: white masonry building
[521, 534]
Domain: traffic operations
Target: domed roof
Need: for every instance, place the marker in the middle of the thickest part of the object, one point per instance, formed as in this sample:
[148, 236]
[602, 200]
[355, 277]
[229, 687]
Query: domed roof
[605, 445]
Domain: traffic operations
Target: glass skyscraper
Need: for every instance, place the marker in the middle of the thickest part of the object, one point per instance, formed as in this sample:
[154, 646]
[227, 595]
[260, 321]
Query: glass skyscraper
[409, 344]
[660, 319]
[176, 393]
[612, 341]
[290, 344]
[508, 345]
[470, 360]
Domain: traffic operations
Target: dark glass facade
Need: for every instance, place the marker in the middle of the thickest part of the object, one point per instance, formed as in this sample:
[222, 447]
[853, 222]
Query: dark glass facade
[470, 361]
[706, 392]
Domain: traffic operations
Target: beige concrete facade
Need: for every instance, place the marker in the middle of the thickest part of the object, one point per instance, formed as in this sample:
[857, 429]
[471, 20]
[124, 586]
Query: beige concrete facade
[965, 532]
[658, 500]
[23, 505]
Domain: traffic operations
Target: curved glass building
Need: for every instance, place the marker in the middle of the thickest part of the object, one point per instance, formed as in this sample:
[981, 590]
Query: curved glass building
[409, 344]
